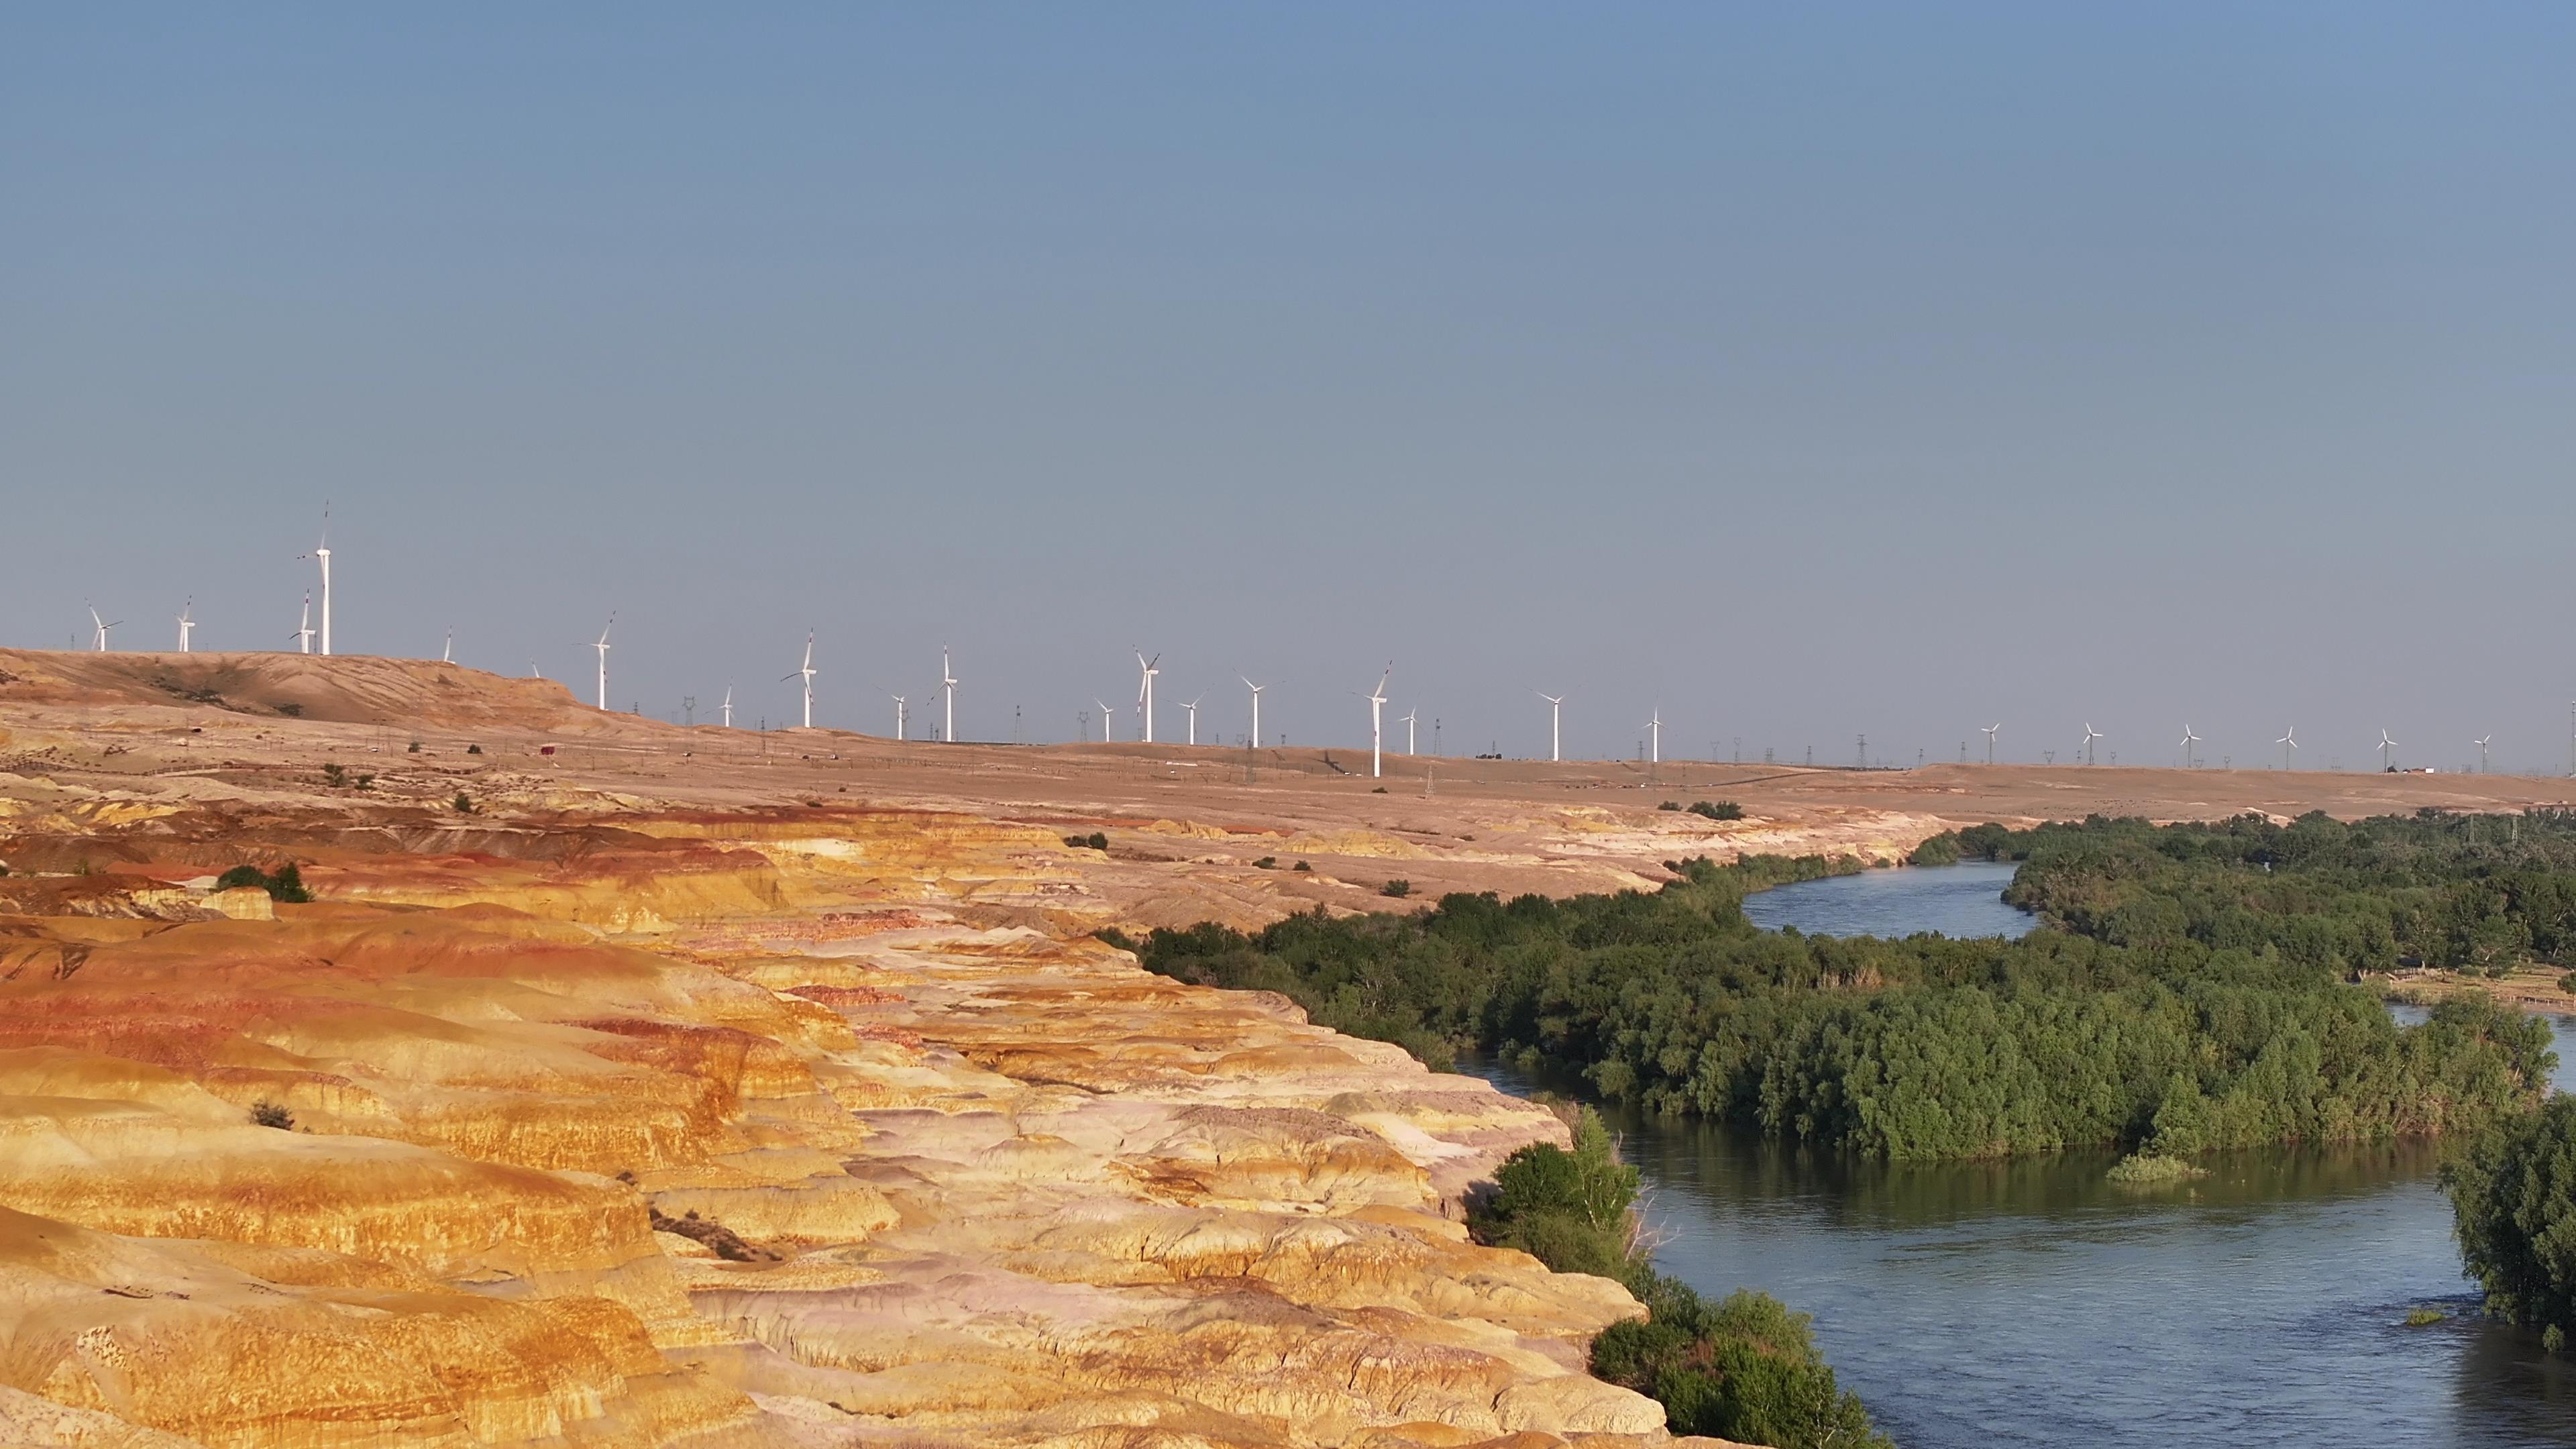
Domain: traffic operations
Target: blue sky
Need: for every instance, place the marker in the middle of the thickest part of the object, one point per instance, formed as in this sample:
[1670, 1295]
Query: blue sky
[1805, 375]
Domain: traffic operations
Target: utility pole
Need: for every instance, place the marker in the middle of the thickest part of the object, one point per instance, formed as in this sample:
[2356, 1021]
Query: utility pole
[1864, 752]
[689, 708]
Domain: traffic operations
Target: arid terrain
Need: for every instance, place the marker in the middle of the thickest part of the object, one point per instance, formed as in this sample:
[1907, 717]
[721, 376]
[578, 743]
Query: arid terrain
[626, 1084]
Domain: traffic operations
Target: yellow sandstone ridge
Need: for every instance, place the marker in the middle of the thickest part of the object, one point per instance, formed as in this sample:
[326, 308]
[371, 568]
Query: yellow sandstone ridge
[728, 1129]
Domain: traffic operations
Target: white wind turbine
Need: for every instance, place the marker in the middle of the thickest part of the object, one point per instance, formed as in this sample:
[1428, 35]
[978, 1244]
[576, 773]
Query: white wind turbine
[1193, 708]
[1555, 719]
[103, 625]
[1256, 708]
[1107, 732]
[187, 625]
[1145, 693]
[447, 651]
[2387, 752]
[1990, 731]
[901, 704]
[2188, 740]
[2288, 742]
[2481, 742]
[1409, 716]
[601, 646]
[728, 707]
[1377, 713]
[948, 692]
[1655, 737]
[303, 635]
[805, 673]
[2090, 735]
[322, 552]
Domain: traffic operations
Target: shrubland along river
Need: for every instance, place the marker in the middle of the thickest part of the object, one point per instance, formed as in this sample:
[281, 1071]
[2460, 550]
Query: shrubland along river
[2034, 1302]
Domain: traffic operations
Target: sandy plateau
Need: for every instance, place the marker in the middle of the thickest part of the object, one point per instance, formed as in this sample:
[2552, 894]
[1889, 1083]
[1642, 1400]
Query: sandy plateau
[713, 1087]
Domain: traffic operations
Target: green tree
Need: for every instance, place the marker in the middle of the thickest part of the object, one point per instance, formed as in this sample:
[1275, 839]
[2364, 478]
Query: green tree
[2513, 1204]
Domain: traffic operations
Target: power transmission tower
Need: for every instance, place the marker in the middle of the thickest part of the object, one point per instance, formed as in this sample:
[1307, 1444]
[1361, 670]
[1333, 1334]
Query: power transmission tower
[1864, 752]
[689, 708]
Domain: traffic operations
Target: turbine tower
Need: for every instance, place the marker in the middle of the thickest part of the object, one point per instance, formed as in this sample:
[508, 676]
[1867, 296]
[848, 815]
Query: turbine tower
[1990, 731]
[103, 625]
[948, 692]
[2188, 740]
[2288, 742]
[1193, 708]
[728, 707]
[188, 625]
[2090, 735]
[601, 646]
[2481, 742]
[805, 673]
[1555, 718]
[1377, 713]
[322, 553]
[303, 635]
[1655, 737]
[447, 651]
[2387, 752]
[1145, 692]
[1408, 729]
[1256, 709]
[1107, 729]
[900, 704]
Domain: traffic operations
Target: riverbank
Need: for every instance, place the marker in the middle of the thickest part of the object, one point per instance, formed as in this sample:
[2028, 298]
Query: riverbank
[2533, 989]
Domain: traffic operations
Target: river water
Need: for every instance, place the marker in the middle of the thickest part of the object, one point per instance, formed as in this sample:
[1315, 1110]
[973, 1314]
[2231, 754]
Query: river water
[2036, 1303]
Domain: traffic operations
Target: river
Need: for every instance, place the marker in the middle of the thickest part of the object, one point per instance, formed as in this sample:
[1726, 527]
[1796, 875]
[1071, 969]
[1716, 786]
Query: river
[2036, 1303]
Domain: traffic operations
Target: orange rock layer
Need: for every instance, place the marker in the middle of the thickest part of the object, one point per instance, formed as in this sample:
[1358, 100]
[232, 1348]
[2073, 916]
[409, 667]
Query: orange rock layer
[766, 1129]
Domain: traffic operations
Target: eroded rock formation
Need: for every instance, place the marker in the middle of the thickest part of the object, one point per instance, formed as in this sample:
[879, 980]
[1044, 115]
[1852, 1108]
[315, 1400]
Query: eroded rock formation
[740, 1128]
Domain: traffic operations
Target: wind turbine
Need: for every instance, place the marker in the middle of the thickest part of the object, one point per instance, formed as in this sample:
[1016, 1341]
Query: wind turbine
[1256, 709]
[601, 646]
[1555, 717]
[2387, 752]
[728, 707]
[900, 704]
[188, 625]
[1193, 708]
[1145, 692]
[1377, 712]
[807, 674]
[2288, 742]
[2090, 735]
[948, 691]
[103, 626]
[303, 635]
[447, 651]
[1990, 731]
[2188, 740]
[1655, 736]
[322, 552]
[1106, 713]
[2481, 743]
[1408, 729]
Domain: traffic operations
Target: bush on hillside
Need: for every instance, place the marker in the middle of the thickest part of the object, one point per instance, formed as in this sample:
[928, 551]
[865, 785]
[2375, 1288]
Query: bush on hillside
[286, 884]
[1744, 1369]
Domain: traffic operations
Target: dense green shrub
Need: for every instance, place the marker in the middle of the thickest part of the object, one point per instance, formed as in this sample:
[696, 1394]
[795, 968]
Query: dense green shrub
[1939, 850]
[2188, 992]
[1719, 810]
[2513, 1201]
[1744, 1369]
[286, 884]
[1396, 888]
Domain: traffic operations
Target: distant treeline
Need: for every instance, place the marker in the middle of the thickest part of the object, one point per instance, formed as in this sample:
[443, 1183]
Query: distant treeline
[2189, 988]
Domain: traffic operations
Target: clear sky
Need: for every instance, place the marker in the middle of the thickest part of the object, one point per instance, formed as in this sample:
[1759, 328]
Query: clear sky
[1804, 371]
